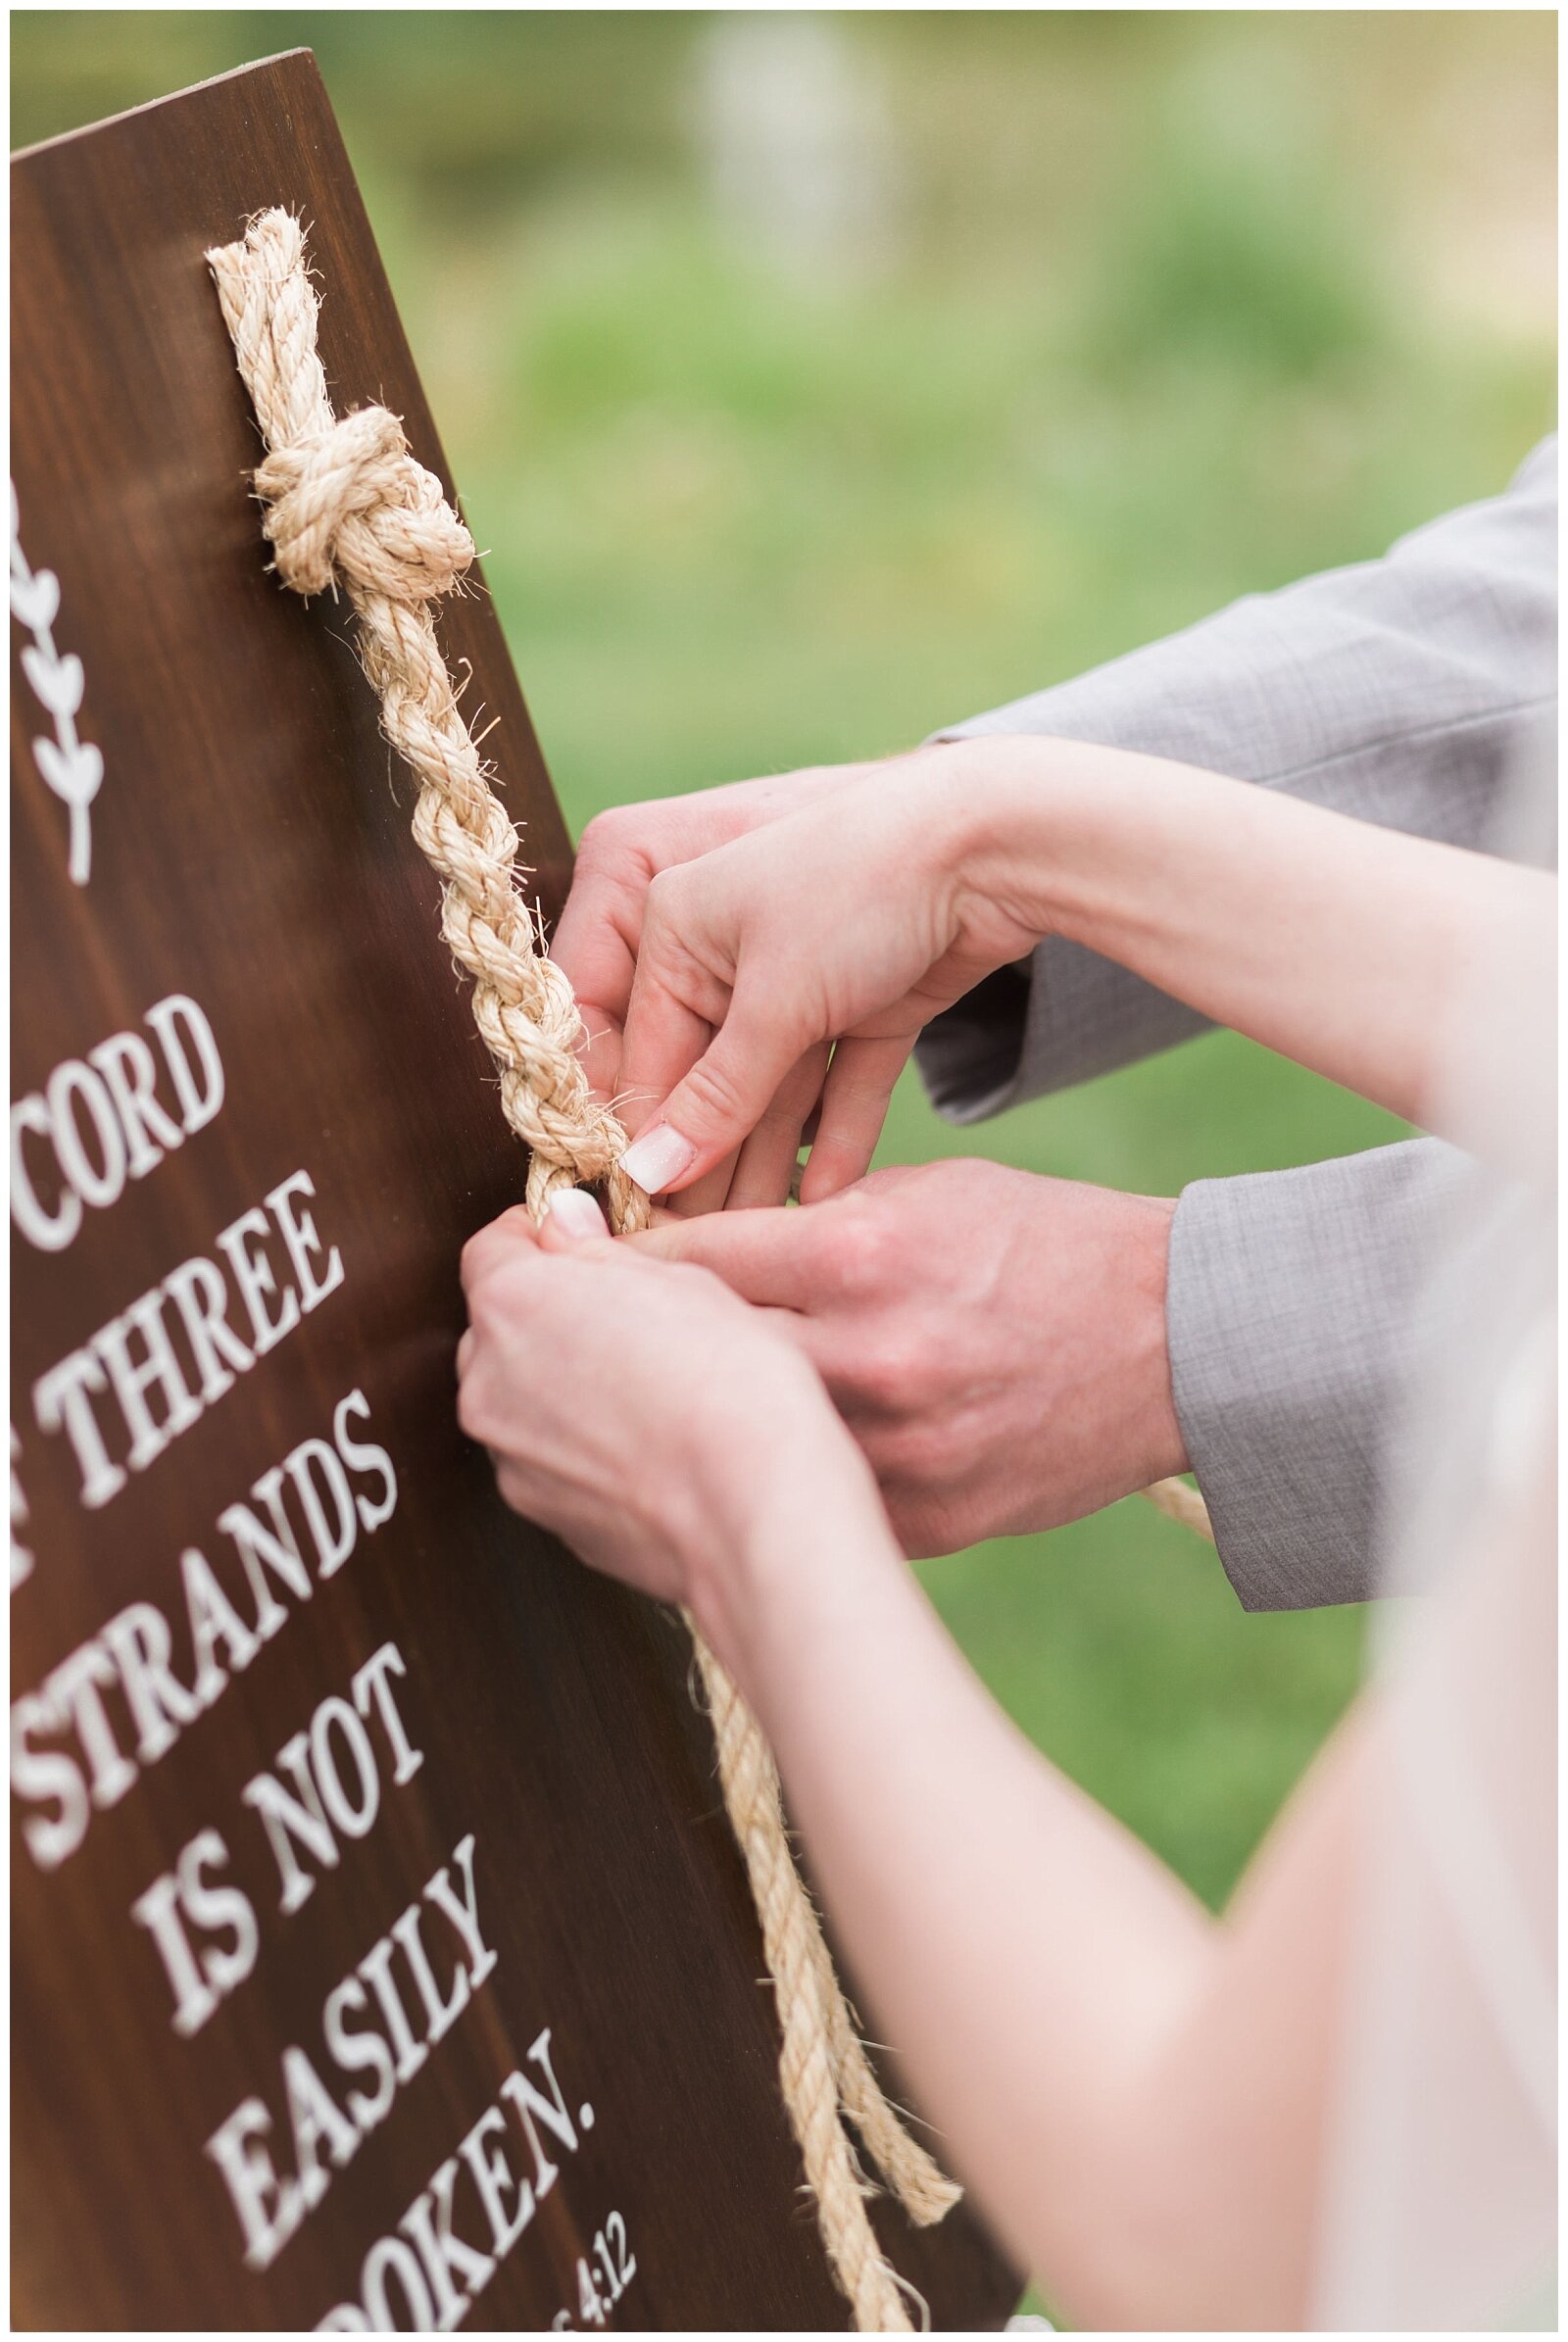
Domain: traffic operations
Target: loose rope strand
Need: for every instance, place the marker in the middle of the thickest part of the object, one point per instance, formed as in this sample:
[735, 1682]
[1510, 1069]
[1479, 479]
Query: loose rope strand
[1179, 1502]
[346, 503]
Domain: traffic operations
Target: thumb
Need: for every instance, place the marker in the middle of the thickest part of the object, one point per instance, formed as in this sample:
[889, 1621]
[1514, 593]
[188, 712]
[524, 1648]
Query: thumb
[572, 1219]
[716, 1104]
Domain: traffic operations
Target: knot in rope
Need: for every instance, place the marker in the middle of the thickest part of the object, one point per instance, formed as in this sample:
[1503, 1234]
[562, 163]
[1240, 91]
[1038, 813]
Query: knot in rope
[351, 502]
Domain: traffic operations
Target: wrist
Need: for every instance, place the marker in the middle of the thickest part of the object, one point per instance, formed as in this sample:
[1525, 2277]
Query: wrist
[1102, 1360]
[784, 1537]
[1077, 840]
[959, 794]
[1157, 1447]
[1033, 819]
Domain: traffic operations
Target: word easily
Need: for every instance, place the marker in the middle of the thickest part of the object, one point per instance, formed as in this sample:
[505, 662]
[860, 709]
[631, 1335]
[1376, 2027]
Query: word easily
[101, 1119]
[195, 1297]
[132, 1656]
[615, 2263]
[271, 2206]
[424, 2276]
[331, 1799]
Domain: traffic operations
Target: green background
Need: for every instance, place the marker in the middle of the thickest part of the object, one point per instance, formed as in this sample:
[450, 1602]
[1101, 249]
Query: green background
[1102, 319]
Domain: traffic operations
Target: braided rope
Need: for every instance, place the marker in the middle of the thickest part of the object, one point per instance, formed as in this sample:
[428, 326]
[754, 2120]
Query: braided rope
[346, 505]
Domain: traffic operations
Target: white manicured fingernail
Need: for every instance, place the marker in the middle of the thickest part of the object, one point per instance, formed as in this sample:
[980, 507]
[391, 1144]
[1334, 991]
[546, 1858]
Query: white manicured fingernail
[657, 1158]
[577, 1214]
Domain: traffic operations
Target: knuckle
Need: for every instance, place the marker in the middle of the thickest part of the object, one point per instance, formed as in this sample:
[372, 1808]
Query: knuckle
[837, 1232]
[471, 1261]
[669, 947]
[713, 1090]
[501, 1302]
[486, 1312]
[604, 836]
[474, 1415]
[665, 892]
[860, 1251]
[895, 1368]
[492, 1246]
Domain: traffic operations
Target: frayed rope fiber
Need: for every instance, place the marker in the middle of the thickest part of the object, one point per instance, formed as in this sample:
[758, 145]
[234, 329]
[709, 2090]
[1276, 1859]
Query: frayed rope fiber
[346, 505]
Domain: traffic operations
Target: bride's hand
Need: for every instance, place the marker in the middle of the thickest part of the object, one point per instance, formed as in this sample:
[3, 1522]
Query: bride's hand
[722, 943]
[641, 1410]
[880, 893]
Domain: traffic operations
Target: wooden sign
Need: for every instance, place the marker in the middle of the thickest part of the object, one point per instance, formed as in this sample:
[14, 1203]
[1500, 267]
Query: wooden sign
[381, 1957]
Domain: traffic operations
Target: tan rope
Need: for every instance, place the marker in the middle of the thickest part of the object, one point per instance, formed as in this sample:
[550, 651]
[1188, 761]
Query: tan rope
[346, 505]
[1179, 1502]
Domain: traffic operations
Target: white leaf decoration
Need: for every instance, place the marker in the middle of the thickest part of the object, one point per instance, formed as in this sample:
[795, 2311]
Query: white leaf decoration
[73, 767]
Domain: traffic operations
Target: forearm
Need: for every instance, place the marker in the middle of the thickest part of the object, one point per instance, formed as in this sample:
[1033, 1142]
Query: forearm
[1087, 2039]
[1334, 942]
[1023, 1951]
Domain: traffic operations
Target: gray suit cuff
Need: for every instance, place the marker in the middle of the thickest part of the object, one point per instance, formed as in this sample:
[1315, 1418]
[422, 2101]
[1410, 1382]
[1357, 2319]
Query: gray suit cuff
[1288, 1318]
[1400, 692]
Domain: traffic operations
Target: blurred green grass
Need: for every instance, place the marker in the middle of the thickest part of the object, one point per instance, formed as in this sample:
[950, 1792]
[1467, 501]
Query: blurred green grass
[1163, 308]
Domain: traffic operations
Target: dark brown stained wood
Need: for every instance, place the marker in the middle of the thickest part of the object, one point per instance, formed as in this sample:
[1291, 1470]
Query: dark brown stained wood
[250, 849]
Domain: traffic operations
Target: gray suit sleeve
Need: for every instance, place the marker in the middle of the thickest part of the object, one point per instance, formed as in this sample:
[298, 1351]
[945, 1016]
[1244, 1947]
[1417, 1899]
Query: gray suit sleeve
[1290, 1314]
[1399, 692]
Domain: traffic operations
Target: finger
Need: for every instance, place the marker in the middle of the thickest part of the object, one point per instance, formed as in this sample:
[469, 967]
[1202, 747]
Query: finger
[718, 1103]
[464, 1352]
[803, 1332]
[766, 1162]
[493, 1246]
[766, 1256]
[596, 949]
[573, 1223]
[790, 1322]
[595, 943]
[664, 1036]
[855, 1104]
[600, 928]
[709, 1194]
[835, 1346]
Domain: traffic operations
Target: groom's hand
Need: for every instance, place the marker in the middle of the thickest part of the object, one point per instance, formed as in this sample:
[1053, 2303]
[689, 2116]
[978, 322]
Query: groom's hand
[995, 1341]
